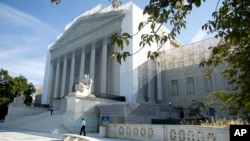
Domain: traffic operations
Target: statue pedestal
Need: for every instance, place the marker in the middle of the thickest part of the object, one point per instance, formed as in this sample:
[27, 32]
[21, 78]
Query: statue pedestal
[78, 108]
[79, 94]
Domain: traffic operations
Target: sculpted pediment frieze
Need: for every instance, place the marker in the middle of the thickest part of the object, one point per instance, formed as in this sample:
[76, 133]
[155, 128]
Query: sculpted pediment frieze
[86, 24]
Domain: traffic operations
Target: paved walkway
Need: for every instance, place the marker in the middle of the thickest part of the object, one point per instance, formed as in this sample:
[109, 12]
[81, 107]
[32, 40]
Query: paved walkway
[40, 127]
[25, 135]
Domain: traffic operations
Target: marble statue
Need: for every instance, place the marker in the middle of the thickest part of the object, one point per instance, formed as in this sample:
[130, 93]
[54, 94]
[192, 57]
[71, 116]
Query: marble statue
[84, 86]
[19, 99]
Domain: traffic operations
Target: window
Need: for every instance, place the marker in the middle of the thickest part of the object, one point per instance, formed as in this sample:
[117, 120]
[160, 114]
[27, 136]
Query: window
[190, 86]
[174, 88]
[208, 85]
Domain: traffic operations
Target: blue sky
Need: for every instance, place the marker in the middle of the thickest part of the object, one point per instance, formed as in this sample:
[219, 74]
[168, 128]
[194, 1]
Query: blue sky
[27, 27]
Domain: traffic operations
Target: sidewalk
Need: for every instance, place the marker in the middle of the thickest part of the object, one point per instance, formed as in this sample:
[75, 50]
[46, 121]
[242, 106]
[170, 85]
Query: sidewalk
[7, 134]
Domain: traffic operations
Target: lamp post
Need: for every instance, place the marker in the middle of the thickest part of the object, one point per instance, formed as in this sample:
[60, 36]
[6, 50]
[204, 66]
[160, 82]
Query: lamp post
[170, 109]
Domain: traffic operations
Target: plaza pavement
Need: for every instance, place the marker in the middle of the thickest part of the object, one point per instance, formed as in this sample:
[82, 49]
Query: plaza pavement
[10, 134]
[40, 127]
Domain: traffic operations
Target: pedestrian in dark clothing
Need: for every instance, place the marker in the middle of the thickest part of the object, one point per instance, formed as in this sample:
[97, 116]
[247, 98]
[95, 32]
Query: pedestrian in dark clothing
[51, 111]
[83, 124]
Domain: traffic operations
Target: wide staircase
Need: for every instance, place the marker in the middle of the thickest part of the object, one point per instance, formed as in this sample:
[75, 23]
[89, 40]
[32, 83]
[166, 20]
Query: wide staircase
[42, 122]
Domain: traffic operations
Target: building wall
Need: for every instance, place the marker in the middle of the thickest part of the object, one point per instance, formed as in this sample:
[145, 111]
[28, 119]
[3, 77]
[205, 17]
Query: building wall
[182, 80]
[85, 46]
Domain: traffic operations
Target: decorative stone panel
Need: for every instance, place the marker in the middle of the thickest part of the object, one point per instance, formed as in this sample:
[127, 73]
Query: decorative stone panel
[167, 132]
[211, 136]
[143, 132]
[150, 132]
[128, 131]
[200, 136]
[135, 131]
[172, 135]
[121, 130]
[182, 135]
[190, 135]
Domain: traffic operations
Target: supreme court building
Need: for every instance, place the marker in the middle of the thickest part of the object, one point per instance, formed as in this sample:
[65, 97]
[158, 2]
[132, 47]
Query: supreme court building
[85, 48]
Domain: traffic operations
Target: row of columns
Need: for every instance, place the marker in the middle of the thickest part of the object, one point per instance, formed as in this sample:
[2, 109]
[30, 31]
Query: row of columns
[150, 75]
[58, 79]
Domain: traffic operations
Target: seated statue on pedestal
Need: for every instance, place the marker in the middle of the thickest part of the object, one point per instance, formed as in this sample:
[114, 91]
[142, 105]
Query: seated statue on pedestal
[84, 86]
[19, 99]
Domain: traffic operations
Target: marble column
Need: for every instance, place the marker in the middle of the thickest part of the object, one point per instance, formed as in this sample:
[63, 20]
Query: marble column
[72, 70]
[63, 83]
[82, 65]
[159, 80]
[92, 66]
[149, 78]
[57, 79]
[49, 93]
[104, 66]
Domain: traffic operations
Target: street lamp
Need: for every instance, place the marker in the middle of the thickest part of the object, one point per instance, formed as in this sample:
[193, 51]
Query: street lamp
[2, 79]
[170, 106]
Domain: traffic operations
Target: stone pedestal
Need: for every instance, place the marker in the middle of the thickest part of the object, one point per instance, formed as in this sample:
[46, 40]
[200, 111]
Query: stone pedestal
[78, 108]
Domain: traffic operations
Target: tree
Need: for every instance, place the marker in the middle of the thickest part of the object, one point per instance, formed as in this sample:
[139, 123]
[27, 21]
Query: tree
[230, 23]
[12, 88]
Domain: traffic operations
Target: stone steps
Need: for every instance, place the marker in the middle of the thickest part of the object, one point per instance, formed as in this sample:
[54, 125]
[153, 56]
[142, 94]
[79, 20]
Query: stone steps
[42, 122]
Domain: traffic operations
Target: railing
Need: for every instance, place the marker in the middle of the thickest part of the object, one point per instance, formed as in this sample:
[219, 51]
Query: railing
[166, 132]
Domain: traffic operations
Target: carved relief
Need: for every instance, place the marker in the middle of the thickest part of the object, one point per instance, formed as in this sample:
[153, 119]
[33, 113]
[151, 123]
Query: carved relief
[128, 131]
[143, 132]
[121, 130]
[135, 131]
[211, 137]
[182, 135]
[200, 136]
[86, 25]
[190, 135]
[150, 132]
[172, 135]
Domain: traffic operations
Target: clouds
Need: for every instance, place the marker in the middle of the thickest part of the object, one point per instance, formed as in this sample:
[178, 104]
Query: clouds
[23, 44]
[14, 16]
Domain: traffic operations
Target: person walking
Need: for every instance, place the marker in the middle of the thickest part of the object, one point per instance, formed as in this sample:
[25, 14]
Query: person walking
[51, 110]
[83, 124]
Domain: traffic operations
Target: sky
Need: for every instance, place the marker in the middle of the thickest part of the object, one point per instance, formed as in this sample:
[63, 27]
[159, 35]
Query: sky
[28, 27]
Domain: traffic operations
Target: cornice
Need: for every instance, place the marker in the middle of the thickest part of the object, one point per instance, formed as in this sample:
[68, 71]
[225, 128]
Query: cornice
[86, 24]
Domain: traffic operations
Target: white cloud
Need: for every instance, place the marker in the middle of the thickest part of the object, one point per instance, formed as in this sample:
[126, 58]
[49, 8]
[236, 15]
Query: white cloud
[23, 44]
[199, 35]
[15, 16]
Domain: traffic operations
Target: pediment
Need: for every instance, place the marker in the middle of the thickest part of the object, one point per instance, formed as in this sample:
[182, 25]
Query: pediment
[86, 24]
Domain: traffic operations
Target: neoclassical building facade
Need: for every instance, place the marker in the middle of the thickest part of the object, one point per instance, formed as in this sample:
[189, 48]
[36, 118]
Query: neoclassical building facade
[85, 48]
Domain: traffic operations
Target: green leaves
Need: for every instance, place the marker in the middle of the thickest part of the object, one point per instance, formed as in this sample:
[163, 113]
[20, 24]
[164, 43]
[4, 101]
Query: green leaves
[56, 1]
[116, 3]
[120, 41]
[120, 56]
[153, 55]
[231, 23]
[13, 87]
